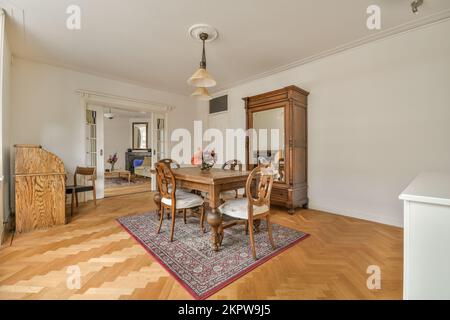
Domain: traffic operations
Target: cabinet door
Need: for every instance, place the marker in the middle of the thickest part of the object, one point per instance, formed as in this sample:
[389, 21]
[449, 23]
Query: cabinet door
[269, 140]
[299, 147]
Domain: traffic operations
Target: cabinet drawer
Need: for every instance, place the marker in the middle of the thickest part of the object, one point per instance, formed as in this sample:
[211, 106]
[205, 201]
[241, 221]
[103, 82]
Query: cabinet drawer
[279, 195]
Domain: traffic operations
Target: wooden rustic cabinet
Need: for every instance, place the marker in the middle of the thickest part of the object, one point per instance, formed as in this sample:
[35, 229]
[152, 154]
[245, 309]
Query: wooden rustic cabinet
[40, 189]
[285, 110]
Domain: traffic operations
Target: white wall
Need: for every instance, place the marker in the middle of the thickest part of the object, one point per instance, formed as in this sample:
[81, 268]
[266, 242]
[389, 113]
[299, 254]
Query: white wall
[117, 139]
[5, 114]
[48, 112]
[378, 115]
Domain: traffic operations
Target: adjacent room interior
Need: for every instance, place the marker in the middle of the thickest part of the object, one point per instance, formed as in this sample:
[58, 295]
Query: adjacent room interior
[292, 149]
[127, 140]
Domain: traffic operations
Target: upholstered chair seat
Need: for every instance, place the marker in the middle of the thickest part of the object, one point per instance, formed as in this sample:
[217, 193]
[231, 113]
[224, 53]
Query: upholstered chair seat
[238, 208]
[185, 200]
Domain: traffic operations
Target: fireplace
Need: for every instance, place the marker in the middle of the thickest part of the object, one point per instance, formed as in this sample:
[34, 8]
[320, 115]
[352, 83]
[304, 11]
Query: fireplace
[134, 155]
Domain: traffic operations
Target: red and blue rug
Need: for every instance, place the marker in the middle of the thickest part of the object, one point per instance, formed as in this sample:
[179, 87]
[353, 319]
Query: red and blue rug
[190, 258]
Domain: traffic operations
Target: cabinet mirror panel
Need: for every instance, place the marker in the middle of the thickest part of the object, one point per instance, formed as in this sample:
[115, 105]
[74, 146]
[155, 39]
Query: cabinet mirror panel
[140, 136]
[269, 145]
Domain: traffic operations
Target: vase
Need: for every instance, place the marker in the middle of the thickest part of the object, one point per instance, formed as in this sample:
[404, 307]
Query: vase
[205, 170]
[112, 167]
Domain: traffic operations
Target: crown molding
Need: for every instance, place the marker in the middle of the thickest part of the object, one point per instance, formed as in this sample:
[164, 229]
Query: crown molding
[109, 100]
[106, 76]
[379, 36]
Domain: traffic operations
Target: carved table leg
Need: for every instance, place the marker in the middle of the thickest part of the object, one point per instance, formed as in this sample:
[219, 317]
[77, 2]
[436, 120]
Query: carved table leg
[215, 220]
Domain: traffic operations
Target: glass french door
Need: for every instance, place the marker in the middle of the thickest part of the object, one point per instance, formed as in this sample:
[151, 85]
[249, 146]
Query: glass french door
[159, 137]
[94, 147]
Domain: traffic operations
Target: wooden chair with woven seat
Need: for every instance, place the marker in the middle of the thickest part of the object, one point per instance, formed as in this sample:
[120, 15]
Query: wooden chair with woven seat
[176, 200]
[250, 209]
[75, 189]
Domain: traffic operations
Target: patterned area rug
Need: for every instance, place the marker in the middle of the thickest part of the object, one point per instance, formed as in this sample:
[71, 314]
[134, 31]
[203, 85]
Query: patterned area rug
[190, 258]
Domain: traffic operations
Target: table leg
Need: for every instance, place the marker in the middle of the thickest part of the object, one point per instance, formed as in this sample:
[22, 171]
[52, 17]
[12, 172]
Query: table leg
[215, 219]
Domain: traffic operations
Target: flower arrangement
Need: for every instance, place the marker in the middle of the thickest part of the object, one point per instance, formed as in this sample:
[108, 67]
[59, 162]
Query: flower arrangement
[204, 159]
[112, 160]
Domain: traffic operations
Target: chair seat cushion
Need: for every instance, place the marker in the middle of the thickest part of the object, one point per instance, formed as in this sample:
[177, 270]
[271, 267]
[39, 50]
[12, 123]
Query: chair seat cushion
[238, 208]
[184, 200]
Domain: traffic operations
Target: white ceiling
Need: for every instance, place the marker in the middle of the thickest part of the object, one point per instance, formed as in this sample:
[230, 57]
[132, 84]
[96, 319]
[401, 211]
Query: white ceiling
[146, 41]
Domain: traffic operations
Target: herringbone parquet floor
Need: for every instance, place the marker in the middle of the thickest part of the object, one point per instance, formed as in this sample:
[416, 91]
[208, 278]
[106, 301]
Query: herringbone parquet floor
[331, 264]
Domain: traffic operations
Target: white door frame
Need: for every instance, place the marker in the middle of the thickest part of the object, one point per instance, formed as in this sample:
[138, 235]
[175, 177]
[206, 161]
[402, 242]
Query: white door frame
[100, 143]
[104, 100]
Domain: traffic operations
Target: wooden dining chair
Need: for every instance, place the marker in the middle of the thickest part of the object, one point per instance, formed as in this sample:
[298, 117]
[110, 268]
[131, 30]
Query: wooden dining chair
[75, 189]
[171, 163]
[231, 165]
[176, 200]
[255, 207]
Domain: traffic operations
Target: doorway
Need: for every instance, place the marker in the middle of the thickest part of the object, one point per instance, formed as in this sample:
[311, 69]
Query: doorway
[123, 145]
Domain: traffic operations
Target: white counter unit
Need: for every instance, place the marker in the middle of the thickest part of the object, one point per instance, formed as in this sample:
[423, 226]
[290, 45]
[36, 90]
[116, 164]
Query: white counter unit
[427, 237]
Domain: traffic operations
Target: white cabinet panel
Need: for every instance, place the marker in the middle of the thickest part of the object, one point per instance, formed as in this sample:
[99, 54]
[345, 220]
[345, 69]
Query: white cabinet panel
[427, 237]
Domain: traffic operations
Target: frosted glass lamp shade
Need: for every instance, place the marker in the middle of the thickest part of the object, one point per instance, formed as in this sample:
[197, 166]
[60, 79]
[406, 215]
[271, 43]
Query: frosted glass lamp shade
[201, 94]
[202, 79]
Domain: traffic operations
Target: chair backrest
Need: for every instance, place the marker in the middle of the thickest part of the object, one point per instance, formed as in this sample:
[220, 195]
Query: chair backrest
[171, 163]
[232, 165]
[85, 171]
[165, 181]
[263, 174]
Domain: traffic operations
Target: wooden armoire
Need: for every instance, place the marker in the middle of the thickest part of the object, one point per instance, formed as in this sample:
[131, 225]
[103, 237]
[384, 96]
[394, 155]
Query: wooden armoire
[285, 110]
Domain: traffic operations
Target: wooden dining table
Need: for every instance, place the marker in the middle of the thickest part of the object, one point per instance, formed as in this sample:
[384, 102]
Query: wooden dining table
[212, 182]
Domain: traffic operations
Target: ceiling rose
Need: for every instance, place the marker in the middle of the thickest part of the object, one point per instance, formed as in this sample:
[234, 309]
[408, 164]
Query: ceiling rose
[197, 29]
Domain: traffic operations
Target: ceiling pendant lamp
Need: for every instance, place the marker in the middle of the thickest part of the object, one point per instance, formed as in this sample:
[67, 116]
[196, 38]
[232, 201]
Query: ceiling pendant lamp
[201, 78]
[201, 94]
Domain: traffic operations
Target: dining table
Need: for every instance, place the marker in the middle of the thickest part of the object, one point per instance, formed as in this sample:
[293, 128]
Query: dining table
[213, 182]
